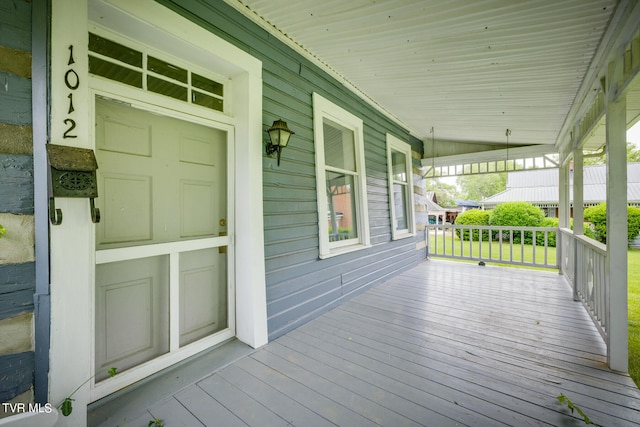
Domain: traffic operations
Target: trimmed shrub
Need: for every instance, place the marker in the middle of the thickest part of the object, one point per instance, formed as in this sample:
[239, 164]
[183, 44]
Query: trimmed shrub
[551, 239]
[633, 222]
[597, 216]
[517, 214]
[553, 222]
[588, 231]
[473, 217]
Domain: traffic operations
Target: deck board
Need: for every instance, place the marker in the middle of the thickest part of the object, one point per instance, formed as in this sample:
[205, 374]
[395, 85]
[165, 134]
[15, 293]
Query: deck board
[249, 410]
[172, 413]
[442, 344]
[207, 410]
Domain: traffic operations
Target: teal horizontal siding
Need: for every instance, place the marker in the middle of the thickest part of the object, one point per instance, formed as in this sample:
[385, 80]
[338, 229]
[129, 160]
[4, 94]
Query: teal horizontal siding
[15, 99]
[16, 374]
[17, 284]
[15, 24]
[301, 286]
[16, 183]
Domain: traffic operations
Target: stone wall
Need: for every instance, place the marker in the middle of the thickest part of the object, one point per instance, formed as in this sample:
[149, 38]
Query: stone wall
[17, 259]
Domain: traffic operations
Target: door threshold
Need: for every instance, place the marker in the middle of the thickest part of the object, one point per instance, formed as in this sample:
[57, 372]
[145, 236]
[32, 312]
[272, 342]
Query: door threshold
[133, 401]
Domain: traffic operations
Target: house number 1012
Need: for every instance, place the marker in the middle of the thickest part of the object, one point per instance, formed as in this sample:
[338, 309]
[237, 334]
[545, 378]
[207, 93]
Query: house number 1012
[72, 81]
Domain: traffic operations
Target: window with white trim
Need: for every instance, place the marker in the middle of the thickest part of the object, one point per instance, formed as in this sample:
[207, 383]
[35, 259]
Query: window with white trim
[341, 179]
[400, 188]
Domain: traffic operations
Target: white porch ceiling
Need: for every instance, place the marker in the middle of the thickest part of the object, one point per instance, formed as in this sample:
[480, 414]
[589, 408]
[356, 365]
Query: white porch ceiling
[468, 68]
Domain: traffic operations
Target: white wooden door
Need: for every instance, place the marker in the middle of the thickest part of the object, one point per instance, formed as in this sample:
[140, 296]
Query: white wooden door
[162, 276]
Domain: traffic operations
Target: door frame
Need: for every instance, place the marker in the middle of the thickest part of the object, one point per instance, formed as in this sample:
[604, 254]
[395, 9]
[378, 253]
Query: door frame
[149, 103]
[72, 245]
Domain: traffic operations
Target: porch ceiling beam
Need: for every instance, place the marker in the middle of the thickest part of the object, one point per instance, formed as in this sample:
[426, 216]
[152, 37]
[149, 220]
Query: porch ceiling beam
[491, 155]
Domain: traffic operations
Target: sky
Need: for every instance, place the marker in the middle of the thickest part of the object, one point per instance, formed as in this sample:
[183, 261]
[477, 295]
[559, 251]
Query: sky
[633, 135]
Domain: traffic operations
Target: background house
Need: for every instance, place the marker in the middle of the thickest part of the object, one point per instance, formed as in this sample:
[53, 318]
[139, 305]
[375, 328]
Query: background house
[540, 187]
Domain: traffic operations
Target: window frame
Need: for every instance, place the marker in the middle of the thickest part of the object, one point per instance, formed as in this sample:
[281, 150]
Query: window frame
[325, 109]
[396, 144]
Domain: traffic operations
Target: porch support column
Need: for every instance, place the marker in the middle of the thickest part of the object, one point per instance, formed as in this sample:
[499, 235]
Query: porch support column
[563, 215]
[578, 214]
[578, 192]
[616, 264]
[564, 204]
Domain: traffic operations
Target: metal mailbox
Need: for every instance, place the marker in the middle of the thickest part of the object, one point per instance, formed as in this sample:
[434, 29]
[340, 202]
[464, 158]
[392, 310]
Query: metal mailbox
[73, 174]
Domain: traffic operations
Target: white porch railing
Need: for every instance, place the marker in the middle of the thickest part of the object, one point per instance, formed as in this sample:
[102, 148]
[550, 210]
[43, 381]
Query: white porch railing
[525, 246]
[580, 259]
[583, 262]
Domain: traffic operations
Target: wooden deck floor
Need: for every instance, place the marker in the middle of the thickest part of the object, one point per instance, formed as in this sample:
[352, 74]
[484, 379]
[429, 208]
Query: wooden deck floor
[442, 344]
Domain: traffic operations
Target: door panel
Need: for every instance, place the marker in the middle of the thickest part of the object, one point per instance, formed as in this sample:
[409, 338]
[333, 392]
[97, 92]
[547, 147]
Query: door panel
[132, 321]
[203, 308]
[126, 212]
[161, 181]
[194, 150]
[198, 208]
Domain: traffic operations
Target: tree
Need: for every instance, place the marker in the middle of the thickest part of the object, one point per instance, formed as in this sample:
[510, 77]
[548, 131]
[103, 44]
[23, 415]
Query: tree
[445, 193]
[478, 187]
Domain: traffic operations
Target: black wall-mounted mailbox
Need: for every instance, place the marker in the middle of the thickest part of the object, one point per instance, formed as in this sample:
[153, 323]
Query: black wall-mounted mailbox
[73, 174]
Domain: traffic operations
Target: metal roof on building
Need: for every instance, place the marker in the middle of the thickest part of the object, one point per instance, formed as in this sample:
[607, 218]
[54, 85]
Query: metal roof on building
[540, 187]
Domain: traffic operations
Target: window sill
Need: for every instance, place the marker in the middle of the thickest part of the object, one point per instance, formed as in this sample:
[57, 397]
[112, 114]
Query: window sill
[401, 236]
[343, 250]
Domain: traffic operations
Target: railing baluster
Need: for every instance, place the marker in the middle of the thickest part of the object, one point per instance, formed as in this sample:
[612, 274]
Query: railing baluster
[533, 245]
[453, 249]
[546, 247]
[511, 247]
[490, 244]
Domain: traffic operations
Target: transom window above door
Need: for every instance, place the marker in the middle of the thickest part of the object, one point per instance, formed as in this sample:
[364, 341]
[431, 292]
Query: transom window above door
[135, 66]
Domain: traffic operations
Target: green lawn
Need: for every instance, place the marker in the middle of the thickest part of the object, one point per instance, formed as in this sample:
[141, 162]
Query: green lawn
[633, 273]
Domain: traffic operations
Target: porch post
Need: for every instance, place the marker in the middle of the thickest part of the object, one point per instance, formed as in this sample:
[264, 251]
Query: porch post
[564, 204]
[616, 263]
[578, 192]
[563, 214]
[578, 216]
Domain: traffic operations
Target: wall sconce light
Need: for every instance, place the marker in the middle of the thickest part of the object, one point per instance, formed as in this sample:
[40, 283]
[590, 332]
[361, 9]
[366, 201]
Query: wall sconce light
[279, 134]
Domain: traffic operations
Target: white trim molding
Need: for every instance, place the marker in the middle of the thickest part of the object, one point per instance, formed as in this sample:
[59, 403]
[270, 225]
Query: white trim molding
[73, 242]
[323, 110]
[396, 144]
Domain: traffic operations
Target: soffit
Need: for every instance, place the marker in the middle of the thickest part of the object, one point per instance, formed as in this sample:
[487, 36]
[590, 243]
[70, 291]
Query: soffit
[469, 69]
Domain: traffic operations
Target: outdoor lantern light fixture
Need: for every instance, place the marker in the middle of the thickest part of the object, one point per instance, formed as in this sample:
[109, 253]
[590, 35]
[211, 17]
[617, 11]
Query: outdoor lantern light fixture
[279, 134]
